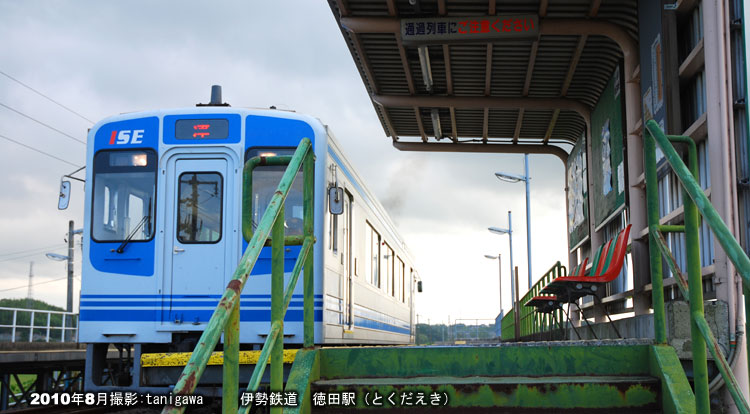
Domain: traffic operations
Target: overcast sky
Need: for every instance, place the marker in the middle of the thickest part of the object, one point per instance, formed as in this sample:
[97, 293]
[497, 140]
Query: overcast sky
[102, 58]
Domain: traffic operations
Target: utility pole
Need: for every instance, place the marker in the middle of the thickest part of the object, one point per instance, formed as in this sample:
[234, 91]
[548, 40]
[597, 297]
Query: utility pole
[29, 294]
[71, 249]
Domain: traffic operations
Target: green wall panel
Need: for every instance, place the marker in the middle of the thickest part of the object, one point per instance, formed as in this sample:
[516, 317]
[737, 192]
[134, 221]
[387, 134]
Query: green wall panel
[578, 205]
[607, 164]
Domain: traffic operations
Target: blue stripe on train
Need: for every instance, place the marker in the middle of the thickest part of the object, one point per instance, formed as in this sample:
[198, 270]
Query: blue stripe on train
[211, 303]
[368, 323]
[154, 315]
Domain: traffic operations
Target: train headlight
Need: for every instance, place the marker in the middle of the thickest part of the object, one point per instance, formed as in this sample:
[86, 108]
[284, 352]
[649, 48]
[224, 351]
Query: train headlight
[140, 160]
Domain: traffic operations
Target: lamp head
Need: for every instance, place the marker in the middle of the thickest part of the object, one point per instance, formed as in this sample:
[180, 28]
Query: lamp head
[510, 177]
[490, 256]
[498, 230]
[57, 257]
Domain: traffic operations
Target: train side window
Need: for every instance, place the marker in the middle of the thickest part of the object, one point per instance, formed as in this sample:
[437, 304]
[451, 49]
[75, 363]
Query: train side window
[368, 254]
[388, 264]
[372, 252]
[400, 279]
[199, 213]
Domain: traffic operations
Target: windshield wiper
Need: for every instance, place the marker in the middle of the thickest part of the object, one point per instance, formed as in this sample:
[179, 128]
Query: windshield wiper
[140, 224]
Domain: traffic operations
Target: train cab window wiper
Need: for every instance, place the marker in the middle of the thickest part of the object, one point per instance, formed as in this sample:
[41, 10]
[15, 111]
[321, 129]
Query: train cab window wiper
[144, 220]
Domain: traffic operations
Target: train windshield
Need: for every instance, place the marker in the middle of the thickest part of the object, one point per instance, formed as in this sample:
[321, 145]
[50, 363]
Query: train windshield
[265, 181]
[124, 195]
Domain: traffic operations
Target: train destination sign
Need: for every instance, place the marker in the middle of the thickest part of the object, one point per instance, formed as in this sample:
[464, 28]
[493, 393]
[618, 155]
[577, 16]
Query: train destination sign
[476, 28]
[201, 129]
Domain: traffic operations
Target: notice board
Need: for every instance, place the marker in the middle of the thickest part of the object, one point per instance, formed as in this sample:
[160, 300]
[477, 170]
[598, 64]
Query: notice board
[578, 206]
[607, 163]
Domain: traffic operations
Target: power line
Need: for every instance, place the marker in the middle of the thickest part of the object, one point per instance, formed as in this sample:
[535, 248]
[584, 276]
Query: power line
[39, 151]
[30, 250]
[35, 284]
[44, 96]
[10, 259]
[42, 123]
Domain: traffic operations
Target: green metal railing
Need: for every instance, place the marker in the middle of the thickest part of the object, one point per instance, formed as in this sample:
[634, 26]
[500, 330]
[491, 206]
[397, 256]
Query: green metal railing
[529, 320]
[695, 201]
[226, 317]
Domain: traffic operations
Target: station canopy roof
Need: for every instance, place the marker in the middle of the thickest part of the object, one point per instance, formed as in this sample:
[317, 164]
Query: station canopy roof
[483, 72]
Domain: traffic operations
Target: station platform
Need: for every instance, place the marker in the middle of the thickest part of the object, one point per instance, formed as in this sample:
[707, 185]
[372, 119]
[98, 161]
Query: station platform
[23, 357]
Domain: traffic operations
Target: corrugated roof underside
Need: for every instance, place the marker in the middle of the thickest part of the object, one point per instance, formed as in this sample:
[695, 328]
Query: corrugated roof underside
[509, 63]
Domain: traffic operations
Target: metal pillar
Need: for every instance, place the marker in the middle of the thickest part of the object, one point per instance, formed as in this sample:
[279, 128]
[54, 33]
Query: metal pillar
[277, 311]
[500, 282]
[516, 309]
[71, 249]
[528, 215]
[308, 283]
[720, 146]
[231, 366]
[513, 281]
[657, 281]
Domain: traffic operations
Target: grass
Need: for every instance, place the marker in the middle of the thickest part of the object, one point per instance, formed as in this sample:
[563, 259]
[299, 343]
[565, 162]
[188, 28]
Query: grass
[26, 381]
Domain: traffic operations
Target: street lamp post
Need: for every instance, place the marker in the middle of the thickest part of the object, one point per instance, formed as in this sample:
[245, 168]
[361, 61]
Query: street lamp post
[509, 232]
[513, 284]
[500, 277]
[498, 326]
[525, 178]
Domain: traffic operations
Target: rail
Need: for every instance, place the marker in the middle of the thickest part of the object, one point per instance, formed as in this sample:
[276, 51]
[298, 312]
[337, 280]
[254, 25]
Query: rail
[37, 325]
[226, 317]
[695, 201]
[530, 321]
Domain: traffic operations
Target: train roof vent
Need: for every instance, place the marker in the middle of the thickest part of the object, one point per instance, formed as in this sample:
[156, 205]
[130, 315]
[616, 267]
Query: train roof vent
[215, 97]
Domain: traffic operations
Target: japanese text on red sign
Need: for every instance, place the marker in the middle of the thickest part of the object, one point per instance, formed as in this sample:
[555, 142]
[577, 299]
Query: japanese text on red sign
[449, 29]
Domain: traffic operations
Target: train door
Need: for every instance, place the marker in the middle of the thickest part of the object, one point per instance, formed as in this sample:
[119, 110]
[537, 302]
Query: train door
[348, 262]
[196, 238]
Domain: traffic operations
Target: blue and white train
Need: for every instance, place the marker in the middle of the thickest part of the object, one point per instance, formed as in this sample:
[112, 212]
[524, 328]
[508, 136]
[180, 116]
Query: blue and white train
[162, 237]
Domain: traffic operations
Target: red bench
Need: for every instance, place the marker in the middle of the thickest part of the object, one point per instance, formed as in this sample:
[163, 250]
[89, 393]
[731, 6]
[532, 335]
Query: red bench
[606, 267]
[550, 303]
[544, 304]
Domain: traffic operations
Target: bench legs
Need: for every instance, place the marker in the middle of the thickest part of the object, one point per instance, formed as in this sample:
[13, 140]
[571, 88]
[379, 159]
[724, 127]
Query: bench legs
[598, 300]
[567, 315]
[559, 325]
[585, 320]
[591, 291]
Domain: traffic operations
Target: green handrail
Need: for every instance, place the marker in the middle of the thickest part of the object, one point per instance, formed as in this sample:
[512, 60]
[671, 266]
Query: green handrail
[695, 201]
[225, 318]
[530, 321]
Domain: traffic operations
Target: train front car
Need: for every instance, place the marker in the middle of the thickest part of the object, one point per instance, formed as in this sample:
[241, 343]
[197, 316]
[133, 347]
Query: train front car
[163, 230]
[163, 235]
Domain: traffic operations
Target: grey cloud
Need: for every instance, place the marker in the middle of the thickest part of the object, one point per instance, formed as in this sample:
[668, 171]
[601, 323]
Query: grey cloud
[107, 57]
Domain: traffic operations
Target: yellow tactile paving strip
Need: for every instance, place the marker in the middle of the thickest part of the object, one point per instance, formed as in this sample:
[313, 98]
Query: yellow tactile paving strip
[176, 359]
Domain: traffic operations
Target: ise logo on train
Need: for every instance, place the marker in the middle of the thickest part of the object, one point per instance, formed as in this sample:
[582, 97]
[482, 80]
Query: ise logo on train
[135, 136]
[127, 136]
